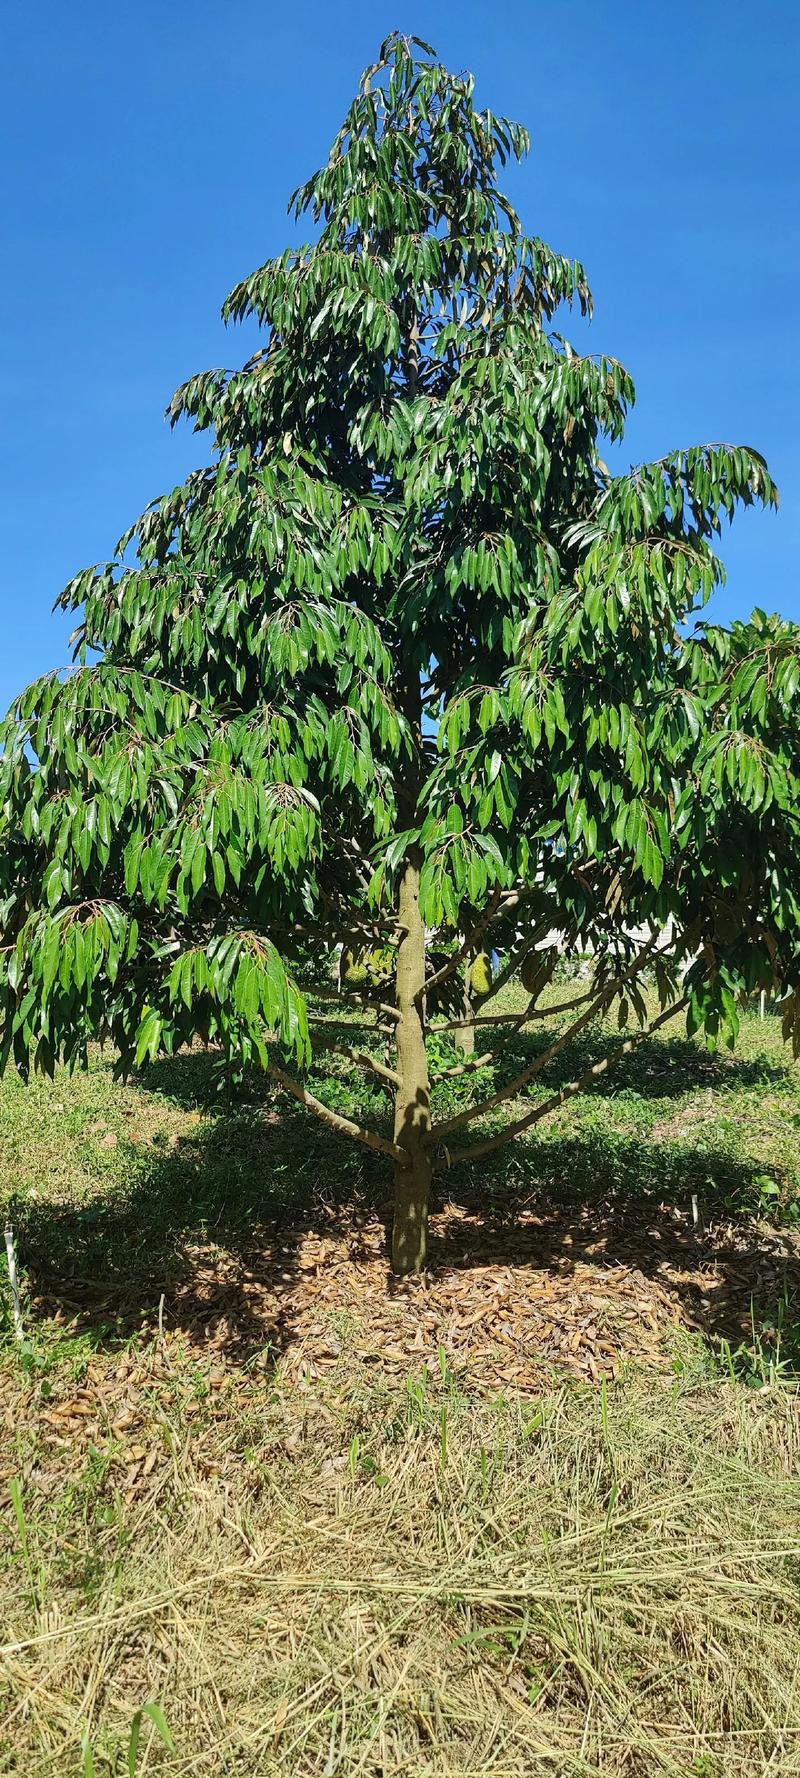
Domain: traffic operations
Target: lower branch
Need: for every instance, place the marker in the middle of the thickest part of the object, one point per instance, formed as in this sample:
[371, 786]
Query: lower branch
[497, 1018]
[599, 1004]
[352, 998]
[597, 1069]
[344, 1126]
[361, 1057]
[513, 1018]
[486, 1056]
[516, 1021]
[530, 1016]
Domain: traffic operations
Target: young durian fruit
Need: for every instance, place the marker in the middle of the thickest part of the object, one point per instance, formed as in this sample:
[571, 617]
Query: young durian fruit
[380, 964]
[537, 970]
[480, 975]
[353, 971]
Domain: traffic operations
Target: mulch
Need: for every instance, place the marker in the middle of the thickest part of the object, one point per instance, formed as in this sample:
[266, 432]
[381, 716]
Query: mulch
[506, 1300]
[507, 1308]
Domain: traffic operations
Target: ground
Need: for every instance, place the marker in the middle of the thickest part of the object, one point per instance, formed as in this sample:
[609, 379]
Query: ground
[534, 1512]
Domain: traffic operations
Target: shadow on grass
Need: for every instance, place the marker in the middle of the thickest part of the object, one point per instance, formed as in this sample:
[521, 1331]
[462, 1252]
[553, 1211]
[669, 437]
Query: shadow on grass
[197, 1223]
[662, 1068]
[230, 1206]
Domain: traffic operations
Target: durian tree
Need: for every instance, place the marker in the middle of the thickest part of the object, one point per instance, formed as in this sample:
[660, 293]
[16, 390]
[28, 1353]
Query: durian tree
[406, 667]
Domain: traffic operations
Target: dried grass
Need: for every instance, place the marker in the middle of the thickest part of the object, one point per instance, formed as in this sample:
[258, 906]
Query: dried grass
[409, 1582]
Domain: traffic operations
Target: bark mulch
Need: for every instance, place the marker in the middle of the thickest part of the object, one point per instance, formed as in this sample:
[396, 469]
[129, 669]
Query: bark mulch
[510, 1305]
[505, 1304]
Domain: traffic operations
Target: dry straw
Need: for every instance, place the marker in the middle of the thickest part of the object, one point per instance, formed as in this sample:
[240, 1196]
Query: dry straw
[600, 1586]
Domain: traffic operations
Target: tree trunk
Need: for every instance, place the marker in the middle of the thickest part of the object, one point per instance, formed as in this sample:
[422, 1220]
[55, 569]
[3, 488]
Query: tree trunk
[465, 1036]
[412, 1112]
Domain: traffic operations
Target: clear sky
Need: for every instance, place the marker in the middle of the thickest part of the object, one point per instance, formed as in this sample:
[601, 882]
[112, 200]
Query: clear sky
[149, 150]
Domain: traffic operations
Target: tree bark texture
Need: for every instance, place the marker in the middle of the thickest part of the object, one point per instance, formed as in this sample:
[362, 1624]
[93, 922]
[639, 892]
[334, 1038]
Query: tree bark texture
[412, 1109]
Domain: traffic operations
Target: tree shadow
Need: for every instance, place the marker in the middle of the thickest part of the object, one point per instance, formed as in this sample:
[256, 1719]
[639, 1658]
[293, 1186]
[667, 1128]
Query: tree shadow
[215, 1230]
[680, 1217]
[199, 1224]
[659, 1068]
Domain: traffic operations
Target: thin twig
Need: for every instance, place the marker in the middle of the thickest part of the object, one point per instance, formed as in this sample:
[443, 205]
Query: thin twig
[486, 1056]
[531, 1013]
[361, 1057]
[353, 999]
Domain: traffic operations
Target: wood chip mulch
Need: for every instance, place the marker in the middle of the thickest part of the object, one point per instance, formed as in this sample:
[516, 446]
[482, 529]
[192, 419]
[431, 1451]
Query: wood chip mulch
[505, 1302]
[499, 1326]
[506, 1308]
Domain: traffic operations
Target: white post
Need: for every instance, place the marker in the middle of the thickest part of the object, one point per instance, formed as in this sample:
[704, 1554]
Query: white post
[16, 1307]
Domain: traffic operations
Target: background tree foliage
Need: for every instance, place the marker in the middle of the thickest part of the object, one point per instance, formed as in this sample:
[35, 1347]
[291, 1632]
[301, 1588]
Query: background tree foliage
[404, 663]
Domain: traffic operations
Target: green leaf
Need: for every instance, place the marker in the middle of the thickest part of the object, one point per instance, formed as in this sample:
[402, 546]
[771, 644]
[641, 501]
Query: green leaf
[155, 1713]
[401, 615]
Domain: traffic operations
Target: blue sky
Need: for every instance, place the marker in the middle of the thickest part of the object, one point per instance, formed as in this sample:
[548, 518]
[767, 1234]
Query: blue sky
[148, 154]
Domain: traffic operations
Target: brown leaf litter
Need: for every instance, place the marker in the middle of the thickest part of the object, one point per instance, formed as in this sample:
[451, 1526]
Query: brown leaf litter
[506, 1308]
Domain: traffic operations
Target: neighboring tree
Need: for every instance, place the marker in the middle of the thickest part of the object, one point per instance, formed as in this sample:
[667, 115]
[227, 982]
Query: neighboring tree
[405, 666]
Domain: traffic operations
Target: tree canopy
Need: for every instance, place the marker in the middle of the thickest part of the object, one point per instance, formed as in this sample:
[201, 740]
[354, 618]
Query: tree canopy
[405, 664]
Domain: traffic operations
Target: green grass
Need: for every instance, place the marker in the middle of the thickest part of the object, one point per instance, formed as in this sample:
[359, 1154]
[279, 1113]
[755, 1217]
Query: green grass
[107, 1185]
[178, 1151]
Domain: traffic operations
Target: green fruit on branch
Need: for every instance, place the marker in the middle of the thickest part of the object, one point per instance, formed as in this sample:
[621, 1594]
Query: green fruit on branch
[353, 971]
[366, 969]
[480, 975]
[537, 970]
[380, 964]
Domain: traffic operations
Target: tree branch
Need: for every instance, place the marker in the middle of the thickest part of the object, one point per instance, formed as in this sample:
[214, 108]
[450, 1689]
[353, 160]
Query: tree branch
[516, 1020]
[344, 1126]
[490, 1055]
[521, 1080]
[495, 1018]
[361, 1057]
[530, 1014]
[479, 1149]
[351, 923]
[353, 999]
